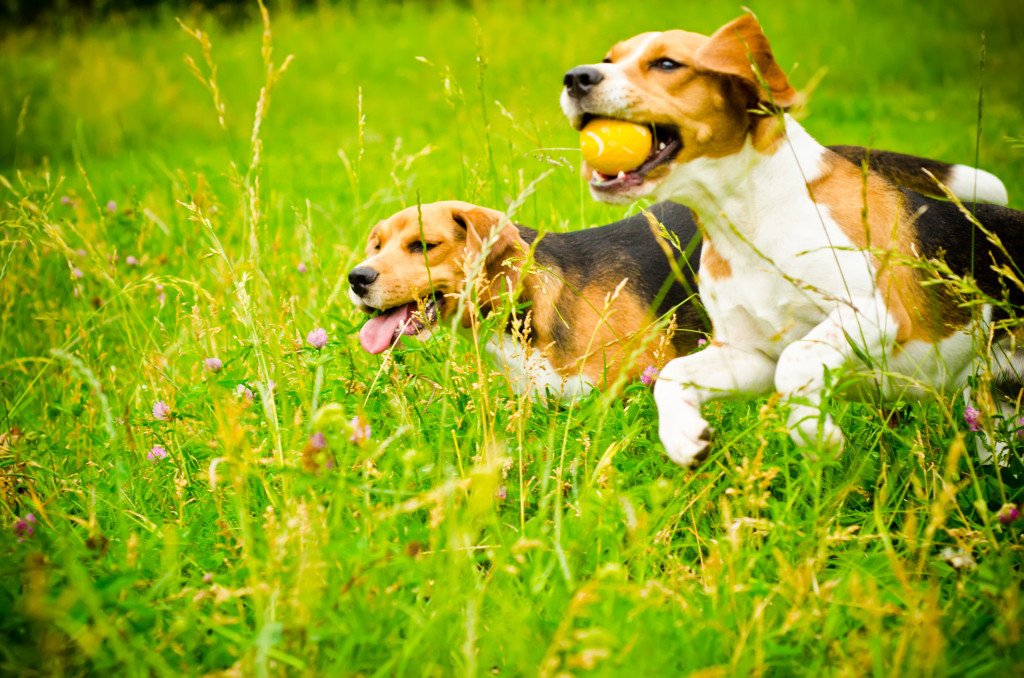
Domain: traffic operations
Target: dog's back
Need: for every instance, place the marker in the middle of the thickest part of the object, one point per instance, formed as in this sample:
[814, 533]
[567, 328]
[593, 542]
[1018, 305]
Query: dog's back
[628, 249]
[943, 232]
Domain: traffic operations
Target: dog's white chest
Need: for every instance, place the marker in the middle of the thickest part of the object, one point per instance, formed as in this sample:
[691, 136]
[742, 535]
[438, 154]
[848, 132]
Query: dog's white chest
[757, 311]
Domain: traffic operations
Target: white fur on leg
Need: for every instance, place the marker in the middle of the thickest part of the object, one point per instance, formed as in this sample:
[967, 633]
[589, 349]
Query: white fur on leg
[684, 432]
[800, 375]
[716, 372]
[808, 426]
[530, 372]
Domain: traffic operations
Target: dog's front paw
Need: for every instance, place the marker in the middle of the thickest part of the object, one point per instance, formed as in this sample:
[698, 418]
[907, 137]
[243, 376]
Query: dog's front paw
[808, 428]
[685, 435]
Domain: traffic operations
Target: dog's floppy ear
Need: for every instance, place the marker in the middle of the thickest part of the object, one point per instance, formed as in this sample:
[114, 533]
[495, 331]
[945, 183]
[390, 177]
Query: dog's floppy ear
[481, 225]
[501, 268]
[735, 49]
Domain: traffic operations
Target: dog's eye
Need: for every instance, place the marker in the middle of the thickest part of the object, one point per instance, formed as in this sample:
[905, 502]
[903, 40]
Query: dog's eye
[606, 60]
[417, 246]
[665, 64]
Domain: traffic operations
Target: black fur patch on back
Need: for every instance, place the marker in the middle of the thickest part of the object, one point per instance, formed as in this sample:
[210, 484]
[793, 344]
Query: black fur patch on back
[628, 249]
[899, 168]
[943, 232]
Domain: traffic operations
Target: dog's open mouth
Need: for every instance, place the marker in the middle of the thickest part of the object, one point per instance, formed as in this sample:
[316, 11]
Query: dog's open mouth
[665, 147]
[384, 329]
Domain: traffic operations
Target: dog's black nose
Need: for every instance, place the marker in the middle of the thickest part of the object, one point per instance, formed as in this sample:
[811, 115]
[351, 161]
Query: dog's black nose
[360, 278]
[580, 80]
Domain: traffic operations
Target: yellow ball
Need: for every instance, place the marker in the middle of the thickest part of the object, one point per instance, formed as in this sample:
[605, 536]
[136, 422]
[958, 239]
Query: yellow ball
[613, 146]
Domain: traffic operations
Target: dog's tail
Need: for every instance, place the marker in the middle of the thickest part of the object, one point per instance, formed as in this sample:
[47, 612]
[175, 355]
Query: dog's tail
[967, 183]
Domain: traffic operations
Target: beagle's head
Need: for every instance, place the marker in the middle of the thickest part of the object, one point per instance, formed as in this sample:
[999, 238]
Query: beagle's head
[701, 96]
[417, 261]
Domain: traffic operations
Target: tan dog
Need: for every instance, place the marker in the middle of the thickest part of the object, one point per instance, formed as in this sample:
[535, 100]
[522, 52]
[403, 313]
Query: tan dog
[809, 265]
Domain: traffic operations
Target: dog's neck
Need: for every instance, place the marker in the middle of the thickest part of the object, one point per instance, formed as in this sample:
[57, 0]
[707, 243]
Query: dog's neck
[531, 289]
[526, 284]
[733, 194]
[539, 283]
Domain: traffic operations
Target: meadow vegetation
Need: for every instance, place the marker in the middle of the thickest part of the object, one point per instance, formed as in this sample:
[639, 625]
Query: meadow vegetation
[193, 480]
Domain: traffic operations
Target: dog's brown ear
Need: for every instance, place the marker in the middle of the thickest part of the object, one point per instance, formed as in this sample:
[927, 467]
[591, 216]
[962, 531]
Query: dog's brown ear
[507, 247]
[481, 225]
[736, 49]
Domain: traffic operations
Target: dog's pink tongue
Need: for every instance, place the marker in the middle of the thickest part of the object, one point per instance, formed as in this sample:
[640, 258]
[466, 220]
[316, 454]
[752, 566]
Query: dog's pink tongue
[379, 332]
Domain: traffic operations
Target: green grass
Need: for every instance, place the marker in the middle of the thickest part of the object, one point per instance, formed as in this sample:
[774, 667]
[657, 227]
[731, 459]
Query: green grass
[474, 532]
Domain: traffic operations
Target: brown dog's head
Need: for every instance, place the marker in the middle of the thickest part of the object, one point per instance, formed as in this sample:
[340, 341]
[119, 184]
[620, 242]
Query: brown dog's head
[699, 94]
[418, 258]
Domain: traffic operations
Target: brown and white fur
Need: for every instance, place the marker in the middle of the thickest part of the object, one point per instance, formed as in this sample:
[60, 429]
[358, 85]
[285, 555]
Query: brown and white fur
[596, 298]
[809, 264]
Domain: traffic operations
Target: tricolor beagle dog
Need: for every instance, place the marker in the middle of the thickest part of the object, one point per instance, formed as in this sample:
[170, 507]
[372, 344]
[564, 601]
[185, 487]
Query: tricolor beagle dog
[582, 329]
[810, 264]
[604, 303]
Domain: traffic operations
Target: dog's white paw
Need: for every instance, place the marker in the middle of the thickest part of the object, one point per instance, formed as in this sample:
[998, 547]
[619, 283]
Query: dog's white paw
[807, 427]
[992, 452]
[685, 435]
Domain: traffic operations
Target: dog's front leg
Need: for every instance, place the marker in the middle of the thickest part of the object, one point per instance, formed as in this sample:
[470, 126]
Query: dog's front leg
[800, 375]
[686, 383]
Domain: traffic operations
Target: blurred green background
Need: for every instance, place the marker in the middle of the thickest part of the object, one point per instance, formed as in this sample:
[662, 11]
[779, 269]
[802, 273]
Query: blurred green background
[475, 532]
[116, 95]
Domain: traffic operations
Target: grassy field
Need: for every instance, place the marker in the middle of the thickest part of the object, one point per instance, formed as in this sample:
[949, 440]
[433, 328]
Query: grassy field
[164, 513]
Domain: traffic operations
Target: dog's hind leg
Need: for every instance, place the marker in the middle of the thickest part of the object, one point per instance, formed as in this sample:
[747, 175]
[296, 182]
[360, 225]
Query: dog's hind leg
[686, 383]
